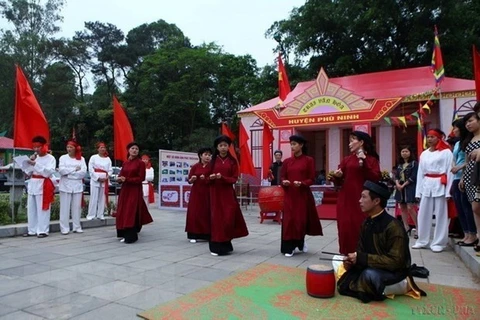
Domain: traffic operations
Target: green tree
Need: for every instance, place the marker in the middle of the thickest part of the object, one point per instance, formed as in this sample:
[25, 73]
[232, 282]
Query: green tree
[7, 83]
[74, 53]
[58, 96]
[104, 41]
[348, 36]
[34, 22]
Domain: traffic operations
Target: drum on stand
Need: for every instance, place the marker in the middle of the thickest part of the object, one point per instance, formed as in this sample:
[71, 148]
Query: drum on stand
[320, 281]
[270, 200]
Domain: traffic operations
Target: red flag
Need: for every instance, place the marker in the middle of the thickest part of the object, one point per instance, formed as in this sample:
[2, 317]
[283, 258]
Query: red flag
[267, 139]
[283, 84]
[227, 132]
[246, 163]
[437, 60]
[122, 131]
[476, 71]
[29, 118]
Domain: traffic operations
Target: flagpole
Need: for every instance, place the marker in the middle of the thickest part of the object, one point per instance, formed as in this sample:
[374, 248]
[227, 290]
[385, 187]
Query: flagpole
[12, 202]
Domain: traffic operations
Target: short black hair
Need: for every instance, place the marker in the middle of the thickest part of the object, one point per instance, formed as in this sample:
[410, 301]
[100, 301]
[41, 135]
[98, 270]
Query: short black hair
[202, 151]
[278, 151]
[39, 139]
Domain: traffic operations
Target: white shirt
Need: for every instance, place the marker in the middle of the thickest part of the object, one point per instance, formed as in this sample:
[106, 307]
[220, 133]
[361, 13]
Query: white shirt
[71, 179]
[149, 176]
[44, 166]
[436, 162]
[102, 163]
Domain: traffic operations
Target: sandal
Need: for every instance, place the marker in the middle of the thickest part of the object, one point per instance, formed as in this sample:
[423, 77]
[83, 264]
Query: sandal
[476, 247]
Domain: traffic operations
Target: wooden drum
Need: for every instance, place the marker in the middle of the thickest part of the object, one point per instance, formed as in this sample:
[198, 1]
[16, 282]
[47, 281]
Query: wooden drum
[270, 199]
[320, 281]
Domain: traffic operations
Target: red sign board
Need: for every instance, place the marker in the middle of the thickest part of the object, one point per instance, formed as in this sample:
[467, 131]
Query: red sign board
[170, 196]
[186, 195]
[379, 108]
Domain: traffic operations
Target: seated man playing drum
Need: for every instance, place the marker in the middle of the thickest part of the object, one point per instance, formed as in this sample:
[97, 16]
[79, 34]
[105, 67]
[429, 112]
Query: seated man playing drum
[383, 255]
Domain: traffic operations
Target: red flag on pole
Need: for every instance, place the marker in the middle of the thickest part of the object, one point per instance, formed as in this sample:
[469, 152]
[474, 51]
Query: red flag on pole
[437, 60]
[283, 84]
[267, 139]
[227, 132]
[29, 119]
[122, 131]
[476, 71]
[246, 163]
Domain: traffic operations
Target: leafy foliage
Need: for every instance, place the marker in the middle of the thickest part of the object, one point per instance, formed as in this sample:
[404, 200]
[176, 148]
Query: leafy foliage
[176, 93]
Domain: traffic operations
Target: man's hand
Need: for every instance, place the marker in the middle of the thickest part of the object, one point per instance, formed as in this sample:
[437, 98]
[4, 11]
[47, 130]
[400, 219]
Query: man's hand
[297, 183]
[286, 183]
[202, 177]
[120, 179]
[213, 176]
[352, 258]
[193, 178]
[218, 176]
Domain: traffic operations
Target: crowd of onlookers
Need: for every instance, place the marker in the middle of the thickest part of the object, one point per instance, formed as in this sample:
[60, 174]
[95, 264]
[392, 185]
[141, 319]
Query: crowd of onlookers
[442, 184]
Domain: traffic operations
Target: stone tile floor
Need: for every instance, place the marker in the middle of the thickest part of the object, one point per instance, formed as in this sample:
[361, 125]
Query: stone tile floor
[94, 276]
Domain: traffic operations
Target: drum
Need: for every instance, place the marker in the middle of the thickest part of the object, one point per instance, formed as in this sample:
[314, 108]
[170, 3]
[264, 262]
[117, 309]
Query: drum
[270, 199]
[320, 281]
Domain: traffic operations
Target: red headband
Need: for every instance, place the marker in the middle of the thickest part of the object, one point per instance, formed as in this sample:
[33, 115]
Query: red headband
[148, 165]
[441, 144]
[101, 144]
[78, 149]
[43, 147]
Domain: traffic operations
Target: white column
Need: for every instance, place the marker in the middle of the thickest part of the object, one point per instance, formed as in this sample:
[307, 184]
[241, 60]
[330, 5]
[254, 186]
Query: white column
[385, 147]
[333, 148]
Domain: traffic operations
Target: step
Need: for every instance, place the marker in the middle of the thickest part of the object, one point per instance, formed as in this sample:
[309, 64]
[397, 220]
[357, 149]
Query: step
[19, 229]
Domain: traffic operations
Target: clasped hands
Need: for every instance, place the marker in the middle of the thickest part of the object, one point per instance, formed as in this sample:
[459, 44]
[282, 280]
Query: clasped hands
[214, 176]
[194, 178]
[286, 183]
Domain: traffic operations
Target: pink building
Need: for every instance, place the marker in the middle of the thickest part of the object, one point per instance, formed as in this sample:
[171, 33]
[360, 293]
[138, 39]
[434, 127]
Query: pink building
[386, 104]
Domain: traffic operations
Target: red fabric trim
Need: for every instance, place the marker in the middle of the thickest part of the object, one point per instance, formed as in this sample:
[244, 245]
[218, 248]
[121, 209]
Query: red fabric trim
[151, 193]
[442, 176]
[48, 191]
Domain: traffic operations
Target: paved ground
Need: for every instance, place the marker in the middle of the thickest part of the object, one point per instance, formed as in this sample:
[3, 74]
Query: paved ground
[94, 276]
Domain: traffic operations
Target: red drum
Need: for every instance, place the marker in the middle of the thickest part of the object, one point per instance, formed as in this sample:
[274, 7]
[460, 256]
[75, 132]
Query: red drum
[320, 281]
[270, 199]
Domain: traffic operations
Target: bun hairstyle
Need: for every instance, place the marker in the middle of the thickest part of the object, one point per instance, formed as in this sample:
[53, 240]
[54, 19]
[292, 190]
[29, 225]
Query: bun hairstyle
[301, 140]
[216, 142]
[368, 145]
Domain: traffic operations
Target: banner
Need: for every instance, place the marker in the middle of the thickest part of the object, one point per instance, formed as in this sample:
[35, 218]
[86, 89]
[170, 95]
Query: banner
[173, 186]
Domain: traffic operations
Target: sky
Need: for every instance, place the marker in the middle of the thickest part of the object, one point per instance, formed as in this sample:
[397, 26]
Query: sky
[238, 26]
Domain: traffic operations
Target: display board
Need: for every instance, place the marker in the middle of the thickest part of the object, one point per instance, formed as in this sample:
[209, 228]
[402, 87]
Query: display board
[173, 186]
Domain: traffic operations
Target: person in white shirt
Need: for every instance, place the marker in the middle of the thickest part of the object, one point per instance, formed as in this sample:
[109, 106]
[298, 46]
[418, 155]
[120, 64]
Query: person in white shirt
[434, 181]
[72, 169]
[40, 188]
[100, 168]
[148, 192]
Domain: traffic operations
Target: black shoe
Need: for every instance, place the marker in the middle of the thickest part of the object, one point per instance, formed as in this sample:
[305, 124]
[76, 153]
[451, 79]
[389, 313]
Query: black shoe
[42, 235]
[28, 235]
[465, 244]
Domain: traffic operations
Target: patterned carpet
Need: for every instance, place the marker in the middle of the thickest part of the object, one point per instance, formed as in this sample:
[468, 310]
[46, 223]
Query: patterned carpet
[277, 292]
